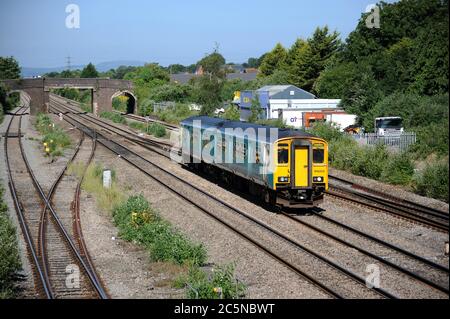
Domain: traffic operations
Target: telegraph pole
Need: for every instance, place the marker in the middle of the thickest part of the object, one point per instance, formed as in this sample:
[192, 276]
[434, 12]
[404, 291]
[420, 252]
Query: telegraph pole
[68, 61]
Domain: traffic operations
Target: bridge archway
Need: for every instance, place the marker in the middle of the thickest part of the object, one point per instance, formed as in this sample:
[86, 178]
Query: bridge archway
[131, 102]
[101, 91]
[24, 98]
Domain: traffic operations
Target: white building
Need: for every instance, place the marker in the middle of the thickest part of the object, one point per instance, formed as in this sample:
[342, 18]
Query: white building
[297, 107]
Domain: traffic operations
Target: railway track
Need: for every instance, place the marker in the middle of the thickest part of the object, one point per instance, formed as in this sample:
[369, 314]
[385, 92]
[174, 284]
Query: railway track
[131, 135]
[434, 267]
[56, 262]
[138, 118]
[409, 211]
[142, 164]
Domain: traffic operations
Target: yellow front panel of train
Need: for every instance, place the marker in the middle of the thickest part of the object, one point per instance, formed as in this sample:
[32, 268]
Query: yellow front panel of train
[301, 167]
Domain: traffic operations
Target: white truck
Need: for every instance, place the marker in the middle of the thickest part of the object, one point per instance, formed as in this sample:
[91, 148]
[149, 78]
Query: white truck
[389, 125]
[342, 120]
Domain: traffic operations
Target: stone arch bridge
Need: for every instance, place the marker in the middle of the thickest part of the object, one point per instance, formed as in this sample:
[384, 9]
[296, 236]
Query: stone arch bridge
[102, 91]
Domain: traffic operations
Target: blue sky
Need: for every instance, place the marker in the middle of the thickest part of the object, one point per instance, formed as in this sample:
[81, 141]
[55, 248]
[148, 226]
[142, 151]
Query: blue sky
[168, 31]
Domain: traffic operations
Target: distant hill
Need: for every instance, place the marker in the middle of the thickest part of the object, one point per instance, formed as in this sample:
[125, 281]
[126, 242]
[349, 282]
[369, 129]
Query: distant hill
[101, 67]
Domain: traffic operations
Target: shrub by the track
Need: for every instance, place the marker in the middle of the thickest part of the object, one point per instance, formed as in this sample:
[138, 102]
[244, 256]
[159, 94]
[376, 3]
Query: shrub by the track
[9, 253]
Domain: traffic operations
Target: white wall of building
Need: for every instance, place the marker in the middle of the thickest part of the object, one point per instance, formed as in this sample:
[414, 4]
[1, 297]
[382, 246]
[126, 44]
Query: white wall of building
[301, 105]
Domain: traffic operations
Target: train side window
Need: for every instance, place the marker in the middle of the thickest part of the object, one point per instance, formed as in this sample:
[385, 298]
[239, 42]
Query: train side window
[283, 155]
[318, 155]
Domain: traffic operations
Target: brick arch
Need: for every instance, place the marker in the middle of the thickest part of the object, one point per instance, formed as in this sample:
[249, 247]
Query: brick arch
[24, 96]
[132, 100]
[39, 89]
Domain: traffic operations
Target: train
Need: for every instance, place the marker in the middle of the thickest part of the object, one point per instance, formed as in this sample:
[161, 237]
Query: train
[282, 167]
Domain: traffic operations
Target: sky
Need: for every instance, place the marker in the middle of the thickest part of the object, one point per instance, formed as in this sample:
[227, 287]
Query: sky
[166, 32]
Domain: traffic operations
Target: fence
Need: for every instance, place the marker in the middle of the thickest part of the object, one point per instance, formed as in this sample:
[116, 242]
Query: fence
[401, 141]
[157, 106]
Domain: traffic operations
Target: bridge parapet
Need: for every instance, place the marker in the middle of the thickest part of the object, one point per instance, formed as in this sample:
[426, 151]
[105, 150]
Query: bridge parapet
[38, 89]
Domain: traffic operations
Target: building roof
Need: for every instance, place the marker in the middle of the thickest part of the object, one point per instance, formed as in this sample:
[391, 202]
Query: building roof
[182, 78]
[243, 76]
[286, 92]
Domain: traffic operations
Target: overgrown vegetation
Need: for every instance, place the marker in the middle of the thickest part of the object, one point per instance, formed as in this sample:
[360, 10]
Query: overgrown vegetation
[155, 129]
[138, 222]
[113, 116]
[54, 139]
[377, 163]
[106, 198]
[84, 97]
[120, 103]
[220, 284]
[433, 181]
[9, 253]
[175, 114]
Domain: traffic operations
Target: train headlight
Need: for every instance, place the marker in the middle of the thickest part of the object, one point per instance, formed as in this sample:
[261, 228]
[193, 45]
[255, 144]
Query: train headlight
[283, 179]
[317, 179]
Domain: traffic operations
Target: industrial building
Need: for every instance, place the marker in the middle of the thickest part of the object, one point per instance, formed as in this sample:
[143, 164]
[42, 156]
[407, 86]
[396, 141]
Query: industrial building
[295, 106]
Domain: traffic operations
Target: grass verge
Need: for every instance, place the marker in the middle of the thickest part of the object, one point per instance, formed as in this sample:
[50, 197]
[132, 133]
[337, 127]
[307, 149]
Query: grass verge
[154, 129]
[54, 139]
[106, 198]
[140, 223]
[9, 253]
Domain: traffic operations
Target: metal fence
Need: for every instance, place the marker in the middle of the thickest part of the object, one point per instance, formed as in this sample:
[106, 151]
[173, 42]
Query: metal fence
[161, 106]
[401, 141]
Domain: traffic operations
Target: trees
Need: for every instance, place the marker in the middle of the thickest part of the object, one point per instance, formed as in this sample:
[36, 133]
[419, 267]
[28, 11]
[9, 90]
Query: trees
[251, 63]
[147, 77]
[232, 113]
[9, 68]
[208, 87]
[407, 55]
[169, 92]
[304, 61]
[274, 60]
[176, 68]
[307, 59]
[213, 64]
[255, 110]
[89, 71]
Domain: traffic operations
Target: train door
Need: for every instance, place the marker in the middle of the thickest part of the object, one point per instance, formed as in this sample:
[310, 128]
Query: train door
[301, 163]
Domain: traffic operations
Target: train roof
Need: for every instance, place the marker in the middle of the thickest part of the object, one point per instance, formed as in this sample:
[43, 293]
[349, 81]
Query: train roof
[222, 124]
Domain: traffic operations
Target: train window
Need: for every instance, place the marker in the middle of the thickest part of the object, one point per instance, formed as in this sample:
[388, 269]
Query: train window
[318, 155]
[283, 156]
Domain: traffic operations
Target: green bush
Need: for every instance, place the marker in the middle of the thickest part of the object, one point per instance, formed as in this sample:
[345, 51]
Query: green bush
[175, 114]
[370, 162]
[344, 153]
[9, 253]
[157, 130]
[154, 129]
[398, 170]
[54, 139]
[138, 222]
[433, 181]
[200, 286]
[327, 131]
[145, 107]
[113, 116]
